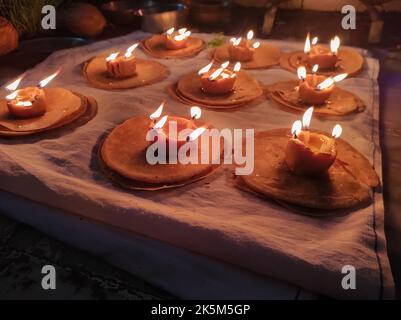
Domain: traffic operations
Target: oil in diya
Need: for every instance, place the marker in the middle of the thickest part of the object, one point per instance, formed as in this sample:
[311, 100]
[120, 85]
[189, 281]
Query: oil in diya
[243, 49]
[122, 66]
[310, 153]
[29, 102]
[218, 80]
[175, 40]
[316, 89]
[316, 54]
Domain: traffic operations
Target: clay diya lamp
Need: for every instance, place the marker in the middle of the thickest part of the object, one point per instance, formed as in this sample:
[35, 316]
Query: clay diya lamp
[316, 89]
[173, 132]
[29, 102]
[219, 80]
[177, 39]
[242, 49]
[310, 153]
[326, 58]
[122, 66]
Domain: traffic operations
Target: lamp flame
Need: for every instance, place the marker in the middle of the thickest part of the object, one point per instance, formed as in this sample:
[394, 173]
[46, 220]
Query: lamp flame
[160, 123]
[130, 50]
[12, 96]
[301, 71]
[196, 112]
[307, 46]
[307, 117]
[183, 36]
[215, 74]
[325, 84]
[112, 56]
[237, 67]
[315, 68]
[225, 64]
[235, 41]
[256, 45]
[182, 30]
[296, 128]
[158, 112]
[340, 77]
[337, 131]
[334, 45]
[249, 35]
[205, 68]
[46, 81]
[170, 31]
[314, 41]
[196, 134]
[14, 85]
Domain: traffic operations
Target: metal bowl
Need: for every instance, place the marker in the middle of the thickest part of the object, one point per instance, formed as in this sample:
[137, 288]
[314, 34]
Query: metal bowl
[125, 12]
[210, 12]
[158, 18]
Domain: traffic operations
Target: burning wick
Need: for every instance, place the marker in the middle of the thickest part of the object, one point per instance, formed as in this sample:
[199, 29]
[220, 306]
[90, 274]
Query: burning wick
[337, 131]
[14, 85]
[314, 70]
[130, 50]
[196, 134]
[160, 124]
[45, 81]
[296, 129]
[155, 115]
[335, 45]
[301, 71]
[196, 113]
[307, 46]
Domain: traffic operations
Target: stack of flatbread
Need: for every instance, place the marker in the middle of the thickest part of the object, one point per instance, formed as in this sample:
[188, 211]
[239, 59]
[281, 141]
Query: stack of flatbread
[63, 108]
[347, 184]
[147, 72]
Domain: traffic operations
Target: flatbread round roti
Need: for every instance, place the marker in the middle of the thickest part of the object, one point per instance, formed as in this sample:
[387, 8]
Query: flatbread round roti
[148, 72]
[347, 184]
[265, 56]
[123, 156]
[154, 46]
[86, 113]
[246, 89]
[350, 61]
[340, 103]
[62, 105]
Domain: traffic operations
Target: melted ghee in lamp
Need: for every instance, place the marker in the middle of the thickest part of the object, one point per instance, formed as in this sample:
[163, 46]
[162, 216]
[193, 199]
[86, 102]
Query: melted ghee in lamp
[241, 52]
[310, 153]
[222, 84]
[323, 57]
[175, 137]
[308, 92]
[173, 44]
[29, 102]
[121, 67]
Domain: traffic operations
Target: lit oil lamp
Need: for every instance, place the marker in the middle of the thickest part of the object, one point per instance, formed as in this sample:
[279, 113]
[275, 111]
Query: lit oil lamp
[171, 132]
[218, 80]
[28, 102]
[316, 89]
[177, 39]
[122, 66]
[310, 153]
[242, 50]
[322, 56]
